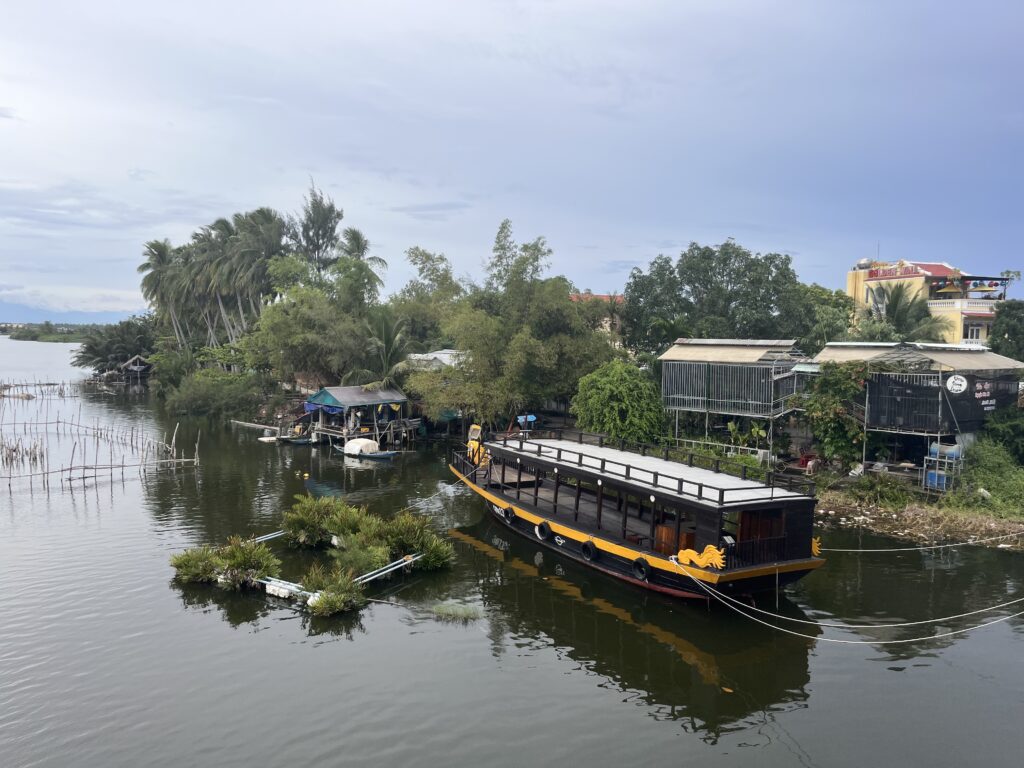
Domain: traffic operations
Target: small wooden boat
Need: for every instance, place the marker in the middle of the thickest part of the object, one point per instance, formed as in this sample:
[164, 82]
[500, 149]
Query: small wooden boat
[364, 448]
[681, 528]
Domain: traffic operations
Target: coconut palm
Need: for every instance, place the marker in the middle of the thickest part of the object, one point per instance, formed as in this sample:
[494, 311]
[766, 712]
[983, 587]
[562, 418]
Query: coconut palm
[355, 245]
[388, 350]
[159, 275]
[906, 312]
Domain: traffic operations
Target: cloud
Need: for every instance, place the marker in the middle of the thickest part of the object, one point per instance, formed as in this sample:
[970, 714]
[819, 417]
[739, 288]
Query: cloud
[140, 174]
[63, 298]
[76, 205]
[440, 211]
[621, 265]
[7, 113]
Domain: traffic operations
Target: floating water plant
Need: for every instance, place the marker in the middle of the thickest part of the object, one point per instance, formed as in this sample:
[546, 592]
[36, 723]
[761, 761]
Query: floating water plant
[364, 541]
[199, 565]
[246, 561]
[457, 613]
[241, 562]
[336, 591]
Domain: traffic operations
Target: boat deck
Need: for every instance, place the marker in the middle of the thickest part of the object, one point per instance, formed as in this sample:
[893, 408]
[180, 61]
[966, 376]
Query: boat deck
[672, 477]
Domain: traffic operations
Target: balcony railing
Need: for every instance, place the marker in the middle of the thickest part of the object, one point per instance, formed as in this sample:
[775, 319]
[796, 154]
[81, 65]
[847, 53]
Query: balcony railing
[947, 305]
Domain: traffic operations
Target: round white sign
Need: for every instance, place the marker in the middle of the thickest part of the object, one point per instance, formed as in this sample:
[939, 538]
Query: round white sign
[956, 384]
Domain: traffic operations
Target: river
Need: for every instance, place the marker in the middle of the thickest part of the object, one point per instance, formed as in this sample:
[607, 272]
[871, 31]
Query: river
[105, 661]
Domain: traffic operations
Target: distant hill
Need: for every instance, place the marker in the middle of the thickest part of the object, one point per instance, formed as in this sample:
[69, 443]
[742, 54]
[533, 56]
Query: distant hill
[19, 313]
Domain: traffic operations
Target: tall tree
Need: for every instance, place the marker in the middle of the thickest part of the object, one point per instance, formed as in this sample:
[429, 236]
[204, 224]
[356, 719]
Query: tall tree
[159, 273]
[314, 233]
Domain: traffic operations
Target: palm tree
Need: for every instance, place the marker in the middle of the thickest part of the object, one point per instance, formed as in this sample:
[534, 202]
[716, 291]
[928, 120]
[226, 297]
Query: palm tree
[159, 271]
[906, 312]
[388, 350]
[355, 245]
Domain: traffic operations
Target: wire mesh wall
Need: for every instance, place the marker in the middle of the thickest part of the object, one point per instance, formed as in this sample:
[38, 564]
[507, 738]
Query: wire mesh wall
[759, 391]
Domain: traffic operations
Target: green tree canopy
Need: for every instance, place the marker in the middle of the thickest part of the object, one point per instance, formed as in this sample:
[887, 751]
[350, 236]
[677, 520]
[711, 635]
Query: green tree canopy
[1007, 336]
[621, 401]
[726, 291]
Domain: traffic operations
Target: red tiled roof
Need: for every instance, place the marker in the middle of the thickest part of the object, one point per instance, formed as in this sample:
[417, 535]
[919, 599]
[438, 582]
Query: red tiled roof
[934, 268]
[988, 315]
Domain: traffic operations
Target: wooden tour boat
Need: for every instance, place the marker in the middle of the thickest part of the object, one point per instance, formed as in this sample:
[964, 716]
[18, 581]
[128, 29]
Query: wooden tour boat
[649, 516]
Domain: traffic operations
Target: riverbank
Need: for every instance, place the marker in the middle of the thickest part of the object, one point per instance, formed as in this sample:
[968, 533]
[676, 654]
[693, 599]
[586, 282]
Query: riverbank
[918, 522]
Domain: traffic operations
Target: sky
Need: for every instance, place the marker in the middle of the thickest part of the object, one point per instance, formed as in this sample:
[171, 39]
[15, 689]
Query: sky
[830, 131]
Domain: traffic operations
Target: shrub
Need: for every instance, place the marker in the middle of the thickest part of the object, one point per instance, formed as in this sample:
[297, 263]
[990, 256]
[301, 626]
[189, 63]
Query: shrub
[882, 491]
[198, 565]
[246, 561]
[989, 466]
[214, 392]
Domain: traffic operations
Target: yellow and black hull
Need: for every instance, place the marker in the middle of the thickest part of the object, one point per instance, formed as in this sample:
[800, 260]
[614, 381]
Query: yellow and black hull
[633, 564]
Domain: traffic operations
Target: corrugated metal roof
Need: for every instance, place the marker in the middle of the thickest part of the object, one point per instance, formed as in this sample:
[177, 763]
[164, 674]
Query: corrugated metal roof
[971, 361]
[947, 357]
[782, 343]
[729, 350]
[356, 397]
[845, 354]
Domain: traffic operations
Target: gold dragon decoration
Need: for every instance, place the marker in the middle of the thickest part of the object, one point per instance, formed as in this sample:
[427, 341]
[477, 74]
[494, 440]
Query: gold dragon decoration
[711, 557]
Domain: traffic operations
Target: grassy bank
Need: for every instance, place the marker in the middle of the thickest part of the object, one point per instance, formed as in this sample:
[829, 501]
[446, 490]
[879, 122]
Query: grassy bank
[883, 505]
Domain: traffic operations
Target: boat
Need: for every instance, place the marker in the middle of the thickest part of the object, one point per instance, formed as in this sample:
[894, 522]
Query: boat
[364, 448]
[682, 525]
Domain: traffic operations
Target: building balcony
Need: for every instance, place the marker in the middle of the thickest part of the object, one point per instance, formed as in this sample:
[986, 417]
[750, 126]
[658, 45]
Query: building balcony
[963, 305]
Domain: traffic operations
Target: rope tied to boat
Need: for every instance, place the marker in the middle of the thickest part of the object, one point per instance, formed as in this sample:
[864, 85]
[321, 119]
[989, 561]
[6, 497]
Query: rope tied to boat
[734, 604]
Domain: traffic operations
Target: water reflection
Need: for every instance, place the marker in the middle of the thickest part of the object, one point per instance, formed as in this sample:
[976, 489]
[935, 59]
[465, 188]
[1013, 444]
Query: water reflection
[678, 660]
[899, 587]
[242, 608]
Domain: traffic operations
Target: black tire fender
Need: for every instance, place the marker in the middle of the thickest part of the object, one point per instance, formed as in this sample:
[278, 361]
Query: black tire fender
[589, 551]
[641, 569]
[543, 531]
[509, 515]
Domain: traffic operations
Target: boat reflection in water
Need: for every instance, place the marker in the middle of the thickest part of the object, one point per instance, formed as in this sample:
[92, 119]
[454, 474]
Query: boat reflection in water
[713, 672]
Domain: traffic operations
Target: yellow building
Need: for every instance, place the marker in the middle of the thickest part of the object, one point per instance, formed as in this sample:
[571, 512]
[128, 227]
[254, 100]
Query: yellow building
[968, 301]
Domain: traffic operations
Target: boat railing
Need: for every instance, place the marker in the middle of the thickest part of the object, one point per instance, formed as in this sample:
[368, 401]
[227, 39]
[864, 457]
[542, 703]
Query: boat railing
[743, 554]
[682, 486]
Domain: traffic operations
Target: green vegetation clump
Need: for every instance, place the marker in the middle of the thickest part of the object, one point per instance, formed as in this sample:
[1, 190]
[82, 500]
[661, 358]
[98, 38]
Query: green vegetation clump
[215, 392]
[246, 561]
[312, 522]
[881, 490]
[336, 591]
[240, 562]
[365, 542]
[457, 613]
[989, 467]
[198, 565]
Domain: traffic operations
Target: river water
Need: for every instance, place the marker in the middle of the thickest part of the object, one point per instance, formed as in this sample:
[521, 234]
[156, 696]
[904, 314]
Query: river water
[104, 661]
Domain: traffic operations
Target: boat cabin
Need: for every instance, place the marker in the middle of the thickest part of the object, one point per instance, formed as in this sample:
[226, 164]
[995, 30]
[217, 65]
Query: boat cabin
[641, 503]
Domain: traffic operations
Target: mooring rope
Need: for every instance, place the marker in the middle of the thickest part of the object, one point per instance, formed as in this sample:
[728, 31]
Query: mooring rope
[934, 546]
[832, 625]
[715, 594]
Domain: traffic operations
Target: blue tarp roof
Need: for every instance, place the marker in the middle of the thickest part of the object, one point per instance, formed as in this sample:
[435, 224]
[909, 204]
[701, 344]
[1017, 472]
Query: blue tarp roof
[334, 399]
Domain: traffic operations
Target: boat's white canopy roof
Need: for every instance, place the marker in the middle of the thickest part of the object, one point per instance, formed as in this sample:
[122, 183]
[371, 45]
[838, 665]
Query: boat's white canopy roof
[652, 472]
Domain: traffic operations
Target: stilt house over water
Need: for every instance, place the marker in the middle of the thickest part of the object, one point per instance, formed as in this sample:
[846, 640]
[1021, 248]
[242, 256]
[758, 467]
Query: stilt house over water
[347, 412]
